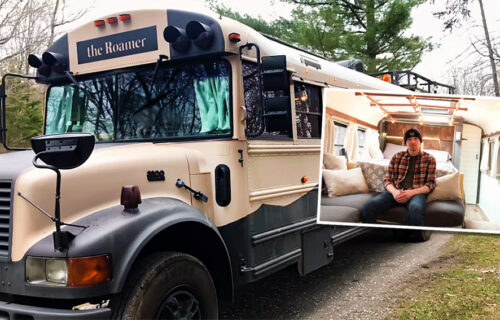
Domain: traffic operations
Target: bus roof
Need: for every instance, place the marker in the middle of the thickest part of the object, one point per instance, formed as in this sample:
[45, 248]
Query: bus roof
[139, 37]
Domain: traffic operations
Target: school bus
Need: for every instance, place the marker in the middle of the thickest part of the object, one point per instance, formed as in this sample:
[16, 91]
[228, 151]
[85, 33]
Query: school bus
[203, 178]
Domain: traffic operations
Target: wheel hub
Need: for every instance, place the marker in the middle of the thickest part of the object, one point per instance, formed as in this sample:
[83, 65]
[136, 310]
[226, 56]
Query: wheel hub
[179, 304]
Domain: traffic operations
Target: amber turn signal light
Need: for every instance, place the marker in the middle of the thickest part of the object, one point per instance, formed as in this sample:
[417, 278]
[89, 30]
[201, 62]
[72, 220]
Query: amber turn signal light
[87, 271]
[304, 179]
[234, 37]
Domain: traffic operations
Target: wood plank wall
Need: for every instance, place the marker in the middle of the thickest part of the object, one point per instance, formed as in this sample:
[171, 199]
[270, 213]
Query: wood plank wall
[434, 137]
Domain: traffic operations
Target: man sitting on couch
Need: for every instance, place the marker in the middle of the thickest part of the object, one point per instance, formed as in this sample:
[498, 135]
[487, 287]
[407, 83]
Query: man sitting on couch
[411, 176]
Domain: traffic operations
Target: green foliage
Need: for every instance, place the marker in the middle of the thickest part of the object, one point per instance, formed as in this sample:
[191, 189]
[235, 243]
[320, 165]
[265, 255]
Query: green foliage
[24, 115]
[370, 30]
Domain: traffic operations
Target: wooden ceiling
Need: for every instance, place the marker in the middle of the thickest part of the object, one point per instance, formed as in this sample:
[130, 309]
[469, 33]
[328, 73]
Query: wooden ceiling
[417, 108]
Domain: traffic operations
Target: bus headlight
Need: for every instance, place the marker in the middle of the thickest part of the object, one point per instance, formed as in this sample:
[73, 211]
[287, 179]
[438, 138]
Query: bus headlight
[71, 272]
[48, 271]
[56, 270]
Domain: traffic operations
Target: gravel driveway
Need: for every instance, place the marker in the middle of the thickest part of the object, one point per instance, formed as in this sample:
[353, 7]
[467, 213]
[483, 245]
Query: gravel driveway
[361, 283]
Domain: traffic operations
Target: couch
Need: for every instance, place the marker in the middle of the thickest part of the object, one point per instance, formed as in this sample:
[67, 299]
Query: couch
[348, 208]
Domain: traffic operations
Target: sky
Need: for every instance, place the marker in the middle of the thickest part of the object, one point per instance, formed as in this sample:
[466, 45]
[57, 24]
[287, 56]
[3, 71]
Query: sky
[434, 65]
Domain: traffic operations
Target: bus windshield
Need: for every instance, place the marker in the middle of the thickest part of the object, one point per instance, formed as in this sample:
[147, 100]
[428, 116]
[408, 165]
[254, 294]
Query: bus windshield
[181, 101]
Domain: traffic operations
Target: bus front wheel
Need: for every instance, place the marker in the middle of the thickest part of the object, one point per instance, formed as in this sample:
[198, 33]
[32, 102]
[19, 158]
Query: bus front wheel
[168, 286]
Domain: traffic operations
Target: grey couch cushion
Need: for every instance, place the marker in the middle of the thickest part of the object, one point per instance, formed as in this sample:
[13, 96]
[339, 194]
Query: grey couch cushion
[352, 200]
[437, 213]
[339, 214]
[448, 213]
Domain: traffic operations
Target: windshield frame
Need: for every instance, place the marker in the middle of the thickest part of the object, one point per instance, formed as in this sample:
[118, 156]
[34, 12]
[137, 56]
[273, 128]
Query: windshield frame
[150, 67]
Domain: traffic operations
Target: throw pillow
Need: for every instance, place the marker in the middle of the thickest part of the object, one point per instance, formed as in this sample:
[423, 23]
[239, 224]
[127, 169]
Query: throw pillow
[447, 188]
[342, 182]
[333, 162]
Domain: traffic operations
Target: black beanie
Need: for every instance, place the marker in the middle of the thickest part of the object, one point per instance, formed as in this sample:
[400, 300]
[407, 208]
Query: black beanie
[413, 132]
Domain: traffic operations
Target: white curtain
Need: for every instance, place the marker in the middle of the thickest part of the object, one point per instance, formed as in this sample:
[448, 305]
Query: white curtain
[484, 166]
[373, 143]
[328, 137]
[372, 138]
[351, 141]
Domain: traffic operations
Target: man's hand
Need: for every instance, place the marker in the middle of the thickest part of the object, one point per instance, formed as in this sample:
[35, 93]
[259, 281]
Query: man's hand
[404, 196]
[396, 194]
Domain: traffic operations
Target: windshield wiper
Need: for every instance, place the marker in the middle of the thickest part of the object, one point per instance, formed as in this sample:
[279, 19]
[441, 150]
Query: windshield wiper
[148, 104]
[69, 75]
[157, 68]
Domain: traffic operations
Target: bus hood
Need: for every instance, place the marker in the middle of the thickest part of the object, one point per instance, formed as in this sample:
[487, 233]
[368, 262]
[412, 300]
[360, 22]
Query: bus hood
[92, 187]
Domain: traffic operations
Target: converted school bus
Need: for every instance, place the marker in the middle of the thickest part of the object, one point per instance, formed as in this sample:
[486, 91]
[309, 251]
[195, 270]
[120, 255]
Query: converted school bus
[210, 129]
[461, 132]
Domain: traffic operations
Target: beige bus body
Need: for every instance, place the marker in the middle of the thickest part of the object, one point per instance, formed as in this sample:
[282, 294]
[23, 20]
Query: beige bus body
[270, 221]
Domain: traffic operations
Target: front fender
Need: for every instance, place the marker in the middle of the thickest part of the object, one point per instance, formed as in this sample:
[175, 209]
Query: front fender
[123, 235]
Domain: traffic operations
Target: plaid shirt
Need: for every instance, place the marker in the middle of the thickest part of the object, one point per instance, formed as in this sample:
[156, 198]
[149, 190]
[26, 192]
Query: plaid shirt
[425, 170]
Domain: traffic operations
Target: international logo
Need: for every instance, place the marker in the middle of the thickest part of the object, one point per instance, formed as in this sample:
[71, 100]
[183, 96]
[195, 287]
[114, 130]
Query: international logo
[117, 45]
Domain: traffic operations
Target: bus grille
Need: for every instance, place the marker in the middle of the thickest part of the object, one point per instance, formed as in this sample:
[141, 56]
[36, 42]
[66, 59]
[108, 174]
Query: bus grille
[5, 205]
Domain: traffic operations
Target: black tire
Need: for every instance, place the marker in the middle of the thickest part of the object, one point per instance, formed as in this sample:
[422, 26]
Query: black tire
[167, 285]
[421, 235]
[412, 235]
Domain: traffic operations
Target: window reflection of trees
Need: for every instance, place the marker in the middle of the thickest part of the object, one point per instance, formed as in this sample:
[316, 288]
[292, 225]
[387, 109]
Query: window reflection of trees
[99, 106]
[131, 106]
[308, 110]
[251, 97]
[166, 107]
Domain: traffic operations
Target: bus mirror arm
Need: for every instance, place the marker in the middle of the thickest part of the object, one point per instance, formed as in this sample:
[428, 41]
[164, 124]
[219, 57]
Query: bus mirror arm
[249, 46]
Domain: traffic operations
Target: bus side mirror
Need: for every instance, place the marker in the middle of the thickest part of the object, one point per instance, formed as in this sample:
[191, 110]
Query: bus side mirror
[64, 151]
[21, 110]
[61, 151]
[275, 76]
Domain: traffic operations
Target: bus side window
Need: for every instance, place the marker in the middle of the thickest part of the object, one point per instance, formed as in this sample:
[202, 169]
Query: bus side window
[308, 110]
[251, 96]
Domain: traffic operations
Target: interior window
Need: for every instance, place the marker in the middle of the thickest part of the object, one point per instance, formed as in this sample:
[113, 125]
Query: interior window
[361, 138]
[340, 130]
[490, 154]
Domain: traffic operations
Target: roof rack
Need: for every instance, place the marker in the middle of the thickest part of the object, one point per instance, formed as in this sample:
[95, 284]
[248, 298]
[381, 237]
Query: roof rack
[415, 82]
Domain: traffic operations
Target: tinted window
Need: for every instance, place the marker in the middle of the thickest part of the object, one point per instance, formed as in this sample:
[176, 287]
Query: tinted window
[188, 100]
[308, 110]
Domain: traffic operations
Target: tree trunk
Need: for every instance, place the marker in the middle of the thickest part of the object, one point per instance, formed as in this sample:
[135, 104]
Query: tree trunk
[370, 37]
[490, 51]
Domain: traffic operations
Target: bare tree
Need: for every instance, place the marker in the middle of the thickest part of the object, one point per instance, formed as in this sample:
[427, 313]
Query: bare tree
[30, 26]
[457, 11]
[473, 79]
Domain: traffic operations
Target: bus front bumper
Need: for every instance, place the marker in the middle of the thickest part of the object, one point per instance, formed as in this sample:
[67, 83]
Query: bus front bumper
[19, 311]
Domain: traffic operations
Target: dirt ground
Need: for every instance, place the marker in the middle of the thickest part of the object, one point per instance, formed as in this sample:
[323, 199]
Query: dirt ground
[369, 276]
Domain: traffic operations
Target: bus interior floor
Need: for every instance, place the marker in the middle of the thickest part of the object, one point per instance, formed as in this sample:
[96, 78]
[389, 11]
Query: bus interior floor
[476, 219]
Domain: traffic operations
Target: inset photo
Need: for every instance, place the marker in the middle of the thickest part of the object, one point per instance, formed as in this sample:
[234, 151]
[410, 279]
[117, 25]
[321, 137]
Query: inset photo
[410, 160]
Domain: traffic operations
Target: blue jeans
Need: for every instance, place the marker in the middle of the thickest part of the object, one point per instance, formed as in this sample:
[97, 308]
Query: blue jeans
[384, 201]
